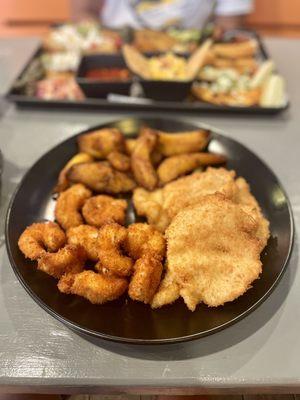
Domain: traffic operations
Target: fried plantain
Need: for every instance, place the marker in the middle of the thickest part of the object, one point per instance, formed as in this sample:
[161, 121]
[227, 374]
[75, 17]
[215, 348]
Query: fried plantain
[176, 166]
[141, 162]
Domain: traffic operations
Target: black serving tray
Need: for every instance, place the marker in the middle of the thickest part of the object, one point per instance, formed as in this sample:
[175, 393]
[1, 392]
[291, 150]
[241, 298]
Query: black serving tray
[140, 104]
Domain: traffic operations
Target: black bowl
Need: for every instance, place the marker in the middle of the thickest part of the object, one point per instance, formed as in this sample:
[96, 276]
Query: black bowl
[166, 90]
[125, 320]
[95, 87]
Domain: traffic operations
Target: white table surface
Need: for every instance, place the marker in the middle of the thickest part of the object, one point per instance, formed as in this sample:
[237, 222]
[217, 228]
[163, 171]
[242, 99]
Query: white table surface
[259, 354]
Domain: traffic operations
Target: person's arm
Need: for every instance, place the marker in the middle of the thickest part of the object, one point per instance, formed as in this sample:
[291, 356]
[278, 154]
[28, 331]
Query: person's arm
[229, 14]
[85, 9]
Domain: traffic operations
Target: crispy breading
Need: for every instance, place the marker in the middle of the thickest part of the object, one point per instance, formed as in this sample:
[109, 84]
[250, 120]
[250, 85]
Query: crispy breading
[101, 142]
[62, 182]
[170, 144]
[160, 206]
[101, 177]
[102, 209]
[141, 163]
[111, 239]
[69, 259]
[155, 155]
[250, 205]
[145, 279]
[143, 239]
[87, 237]
[69, 204]
[40, 237]
[96, 288]
[168, 291]
[175, 166]
[119, 161]
[213, 252]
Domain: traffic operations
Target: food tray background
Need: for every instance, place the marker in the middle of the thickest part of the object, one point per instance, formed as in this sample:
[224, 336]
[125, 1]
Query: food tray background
[24, 101]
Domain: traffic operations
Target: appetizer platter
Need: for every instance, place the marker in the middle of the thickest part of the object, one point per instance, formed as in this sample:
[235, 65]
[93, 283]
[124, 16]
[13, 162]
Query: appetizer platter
[142, 224]
[86, 67]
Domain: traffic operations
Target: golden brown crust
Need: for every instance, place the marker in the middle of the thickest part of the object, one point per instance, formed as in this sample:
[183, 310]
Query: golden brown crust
[41, 237]
[161, 205]
[143, 239]
[250, 205]
[87, 237]
[175, 166]
[111, 239]
[101, 177]
[96, 288]
[155, 156]
[145, 279]
[62, 182]
[141, 163]
[170, 144]
[119, 161]
[213, 252]
[69, 204]
[168, 291]
[102, 209]
[69, 259]
[101, 142]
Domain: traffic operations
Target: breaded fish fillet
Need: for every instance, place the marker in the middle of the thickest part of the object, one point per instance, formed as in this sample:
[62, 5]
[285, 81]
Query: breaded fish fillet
[160, 206]
[213, 253]
[245, 198]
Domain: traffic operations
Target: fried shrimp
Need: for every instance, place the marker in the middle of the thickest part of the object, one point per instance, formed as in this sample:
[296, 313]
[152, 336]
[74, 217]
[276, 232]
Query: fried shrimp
[119, 161]
[141, 164]
[69, 204]
[145, 279]
[101, 177]
[62, 182]
[41, 237]
[87, 237]
[69, 259]
[111, 239]
[143, 239]
[176, 166]
[96, 288]
[101, 210]
[101, 142]
[170, 144]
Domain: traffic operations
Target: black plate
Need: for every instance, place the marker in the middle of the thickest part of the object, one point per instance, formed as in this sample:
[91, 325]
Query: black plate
[125, 320]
